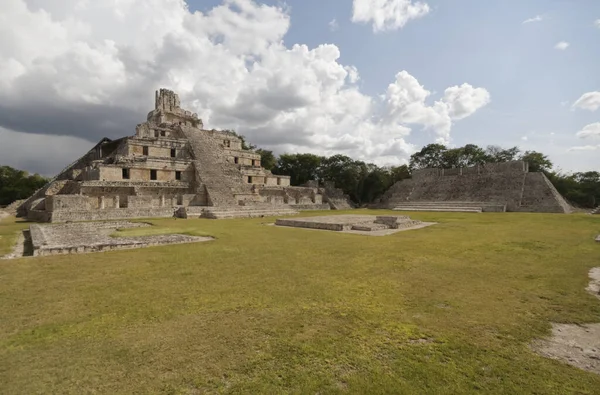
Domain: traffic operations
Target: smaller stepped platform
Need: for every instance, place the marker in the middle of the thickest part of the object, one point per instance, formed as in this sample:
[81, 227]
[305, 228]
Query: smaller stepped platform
[234, 212]
[450, 206]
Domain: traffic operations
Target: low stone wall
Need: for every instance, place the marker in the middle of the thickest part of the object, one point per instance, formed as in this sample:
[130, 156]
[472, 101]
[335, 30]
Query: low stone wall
[68, 202]
[110, 214]
[38, 216]
[308, 207]
[298, 223]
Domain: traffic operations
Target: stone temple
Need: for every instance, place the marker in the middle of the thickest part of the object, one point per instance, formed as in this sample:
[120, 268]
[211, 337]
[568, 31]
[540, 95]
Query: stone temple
[508, 186]
[172, 166]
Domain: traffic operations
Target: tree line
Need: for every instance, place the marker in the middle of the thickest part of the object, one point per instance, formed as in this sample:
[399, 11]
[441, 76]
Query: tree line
[366, 182]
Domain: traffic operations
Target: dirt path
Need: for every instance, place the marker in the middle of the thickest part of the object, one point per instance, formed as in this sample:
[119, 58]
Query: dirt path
[577, 345]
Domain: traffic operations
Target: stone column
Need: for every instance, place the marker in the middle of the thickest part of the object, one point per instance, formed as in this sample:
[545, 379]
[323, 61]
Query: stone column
[117, 201]
[162, 200]
[101, 202]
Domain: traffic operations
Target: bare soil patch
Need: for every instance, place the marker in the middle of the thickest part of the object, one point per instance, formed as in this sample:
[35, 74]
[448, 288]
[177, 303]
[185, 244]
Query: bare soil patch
[577, 345]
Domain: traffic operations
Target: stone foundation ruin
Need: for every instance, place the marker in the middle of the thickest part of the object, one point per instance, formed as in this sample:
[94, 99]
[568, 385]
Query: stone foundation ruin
[371, 225]
[171, 165]
[490, 187]
[85, 237]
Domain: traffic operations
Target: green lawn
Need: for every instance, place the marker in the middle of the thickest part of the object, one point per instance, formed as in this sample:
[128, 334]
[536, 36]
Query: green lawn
[447, 309]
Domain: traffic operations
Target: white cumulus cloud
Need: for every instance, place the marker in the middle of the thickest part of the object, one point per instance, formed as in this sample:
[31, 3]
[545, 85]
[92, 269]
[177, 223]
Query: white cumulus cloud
[591, 131]
[588, 101]
[464, 100]
[562, 45]
[75, 72]
[585, 148]
[334, 25]
[388, 14]
[406, 103]
[537, 18]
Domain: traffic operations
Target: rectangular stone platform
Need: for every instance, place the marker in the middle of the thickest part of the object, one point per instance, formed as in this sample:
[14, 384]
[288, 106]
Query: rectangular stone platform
[358, 224]
[74, 238]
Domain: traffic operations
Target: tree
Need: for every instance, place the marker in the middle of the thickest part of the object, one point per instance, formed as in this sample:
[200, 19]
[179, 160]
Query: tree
[537, 161]
[300, 167]
[581, 189]
[471, 155]
[346, 173]
[375, 183]
[267, 159]
[18, 184]
[431, 155]
[495, 153]
[398, 173]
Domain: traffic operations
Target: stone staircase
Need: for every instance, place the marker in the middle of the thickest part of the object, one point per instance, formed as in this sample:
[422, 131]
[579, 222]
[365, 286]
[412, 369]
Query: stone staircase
[222, 179]
[41, 192]
[235, 212]
[596, 210]
[540, 193]
[450, 206]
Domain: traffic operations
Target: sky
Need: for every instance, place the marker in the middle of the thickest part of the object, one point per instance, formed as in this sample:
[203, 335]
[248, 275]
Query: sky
[372, 79]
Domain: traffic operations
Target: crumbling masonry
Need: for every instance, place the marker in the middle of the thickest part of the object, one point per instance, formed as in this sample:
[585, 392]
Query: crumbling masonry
[172, 165]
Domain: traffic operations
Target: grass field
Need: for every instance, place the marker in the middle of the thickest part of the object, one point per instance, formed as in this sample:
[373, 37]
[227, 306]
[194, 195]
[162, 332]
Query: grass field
[448, 309]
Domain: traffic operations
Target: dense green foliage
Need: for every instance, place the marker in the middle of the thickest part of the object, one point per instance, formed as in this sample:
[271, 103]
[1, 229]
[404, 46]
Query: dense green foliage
[581, 189]
[438, 155]
[268, 160]
[363, 182]
[17, 184]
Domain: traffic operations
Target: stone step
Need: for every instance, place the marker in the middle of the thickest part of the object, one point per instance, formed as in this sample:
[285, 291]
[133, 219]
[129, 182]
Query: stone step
[246, 213]
[369, 227]
[236, 212]
[482, 206]
[440, 209]
[596, 210]
[448, 203]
